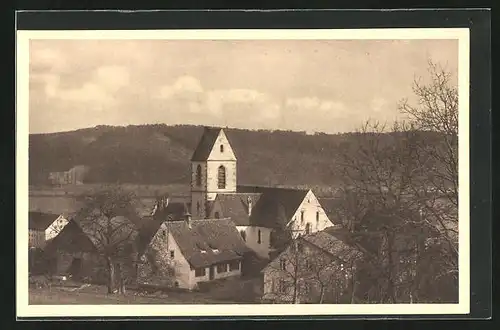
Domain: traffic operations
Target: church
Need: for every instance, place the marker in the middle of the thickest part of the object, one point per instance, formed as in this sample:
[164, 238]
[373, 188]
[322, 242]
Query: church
[258, 212]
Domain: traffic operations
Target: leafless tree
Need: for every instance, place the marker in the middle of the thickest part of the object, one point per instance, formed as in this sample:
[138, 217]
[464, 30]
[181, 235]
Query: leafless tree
[107, 218]
[307, 273]
[436, 112]
[400, 189]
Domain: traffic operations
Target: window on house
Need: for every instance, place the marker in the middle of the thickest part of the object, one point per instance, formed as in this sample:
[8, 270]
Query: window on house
[198, 175]
[234, 265]
[317, 218]
[164, 233]
[221, 268]
[300, 247]
[243, 235]
[308, 264]
[200, 272]
[283, 264]
[259, 238]
[301, 217]
[172, 253]
[176, 284]
[217, 215]
[198, 207]
[221, 176]
[221, 148]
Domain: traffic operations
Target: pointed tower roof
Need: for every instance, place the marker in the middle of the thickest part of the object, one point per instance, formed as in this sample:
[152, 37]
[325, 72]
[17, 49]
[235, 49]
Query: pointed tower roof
[206, 144]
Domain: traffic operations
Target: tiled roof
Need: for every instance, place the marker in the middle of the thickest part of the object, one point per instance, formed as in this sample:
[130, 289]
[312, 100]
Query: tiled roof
[206, 235]
[70, 239]
[331, 207]
[235, 206]
[206, 144]
[41, 221]
[275, 205]
[336, 246]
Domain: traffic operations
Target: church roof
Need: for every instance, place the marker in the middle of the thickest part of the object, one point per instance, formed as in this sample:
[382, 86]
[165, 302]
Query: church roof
[273, 207]
[202, 151]
[235, 206]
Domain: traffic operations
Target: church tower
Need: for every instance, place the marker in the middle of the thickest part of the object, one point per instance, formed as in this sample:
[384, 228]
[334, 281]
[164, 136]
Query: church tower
[213, 170]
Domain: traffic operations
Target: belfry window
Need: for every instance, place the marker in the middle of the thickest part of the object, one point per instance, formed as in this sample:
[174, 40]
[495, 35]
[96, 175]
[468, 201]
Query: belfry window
[198, 175]
[221, 176]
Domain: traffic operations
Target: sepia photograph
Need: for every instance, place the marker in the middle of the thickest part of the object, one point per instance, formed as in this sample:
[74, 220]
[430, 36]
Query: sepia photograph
[254, 169]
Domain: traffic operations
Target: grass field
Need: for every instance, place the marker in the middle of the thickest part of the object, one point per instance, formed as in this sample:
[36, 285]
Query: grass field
[225, 292]
[59, 296]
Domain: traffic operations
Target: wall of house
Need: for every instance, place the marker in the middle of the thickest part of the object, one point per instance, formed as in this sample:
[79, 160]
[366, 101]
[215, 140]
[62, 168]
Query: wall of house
[310, 206]
[252, 239]
[55, 228]
[206, 278]
[36, 239]
[163, 243]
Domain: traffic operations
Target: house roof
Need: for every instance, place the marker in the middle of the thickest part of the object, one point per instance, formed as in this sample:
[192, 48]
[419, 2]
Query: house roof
[198, 242]
[331, 206]
[327, 241]
[235, 206]
[41, 221]
[275, 206]
[70, 239]
[207, 141]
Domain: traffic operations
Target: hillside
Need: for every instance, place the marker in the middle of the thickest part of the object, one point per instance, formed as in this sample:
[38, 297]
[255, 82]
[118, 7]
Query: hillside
[160, 154]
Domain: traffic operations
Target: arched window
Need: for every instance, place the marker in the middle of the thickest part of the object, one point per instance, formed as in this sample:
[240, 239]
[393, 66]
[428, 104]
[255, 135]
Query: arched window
[198, 175]
[221, 176]
[221, 148]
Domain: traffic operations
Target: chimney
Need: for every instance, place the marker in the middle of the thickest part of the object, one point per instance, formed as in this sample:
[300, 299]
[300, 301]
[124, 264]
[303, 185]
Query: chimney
[187, 217]
[249, 204]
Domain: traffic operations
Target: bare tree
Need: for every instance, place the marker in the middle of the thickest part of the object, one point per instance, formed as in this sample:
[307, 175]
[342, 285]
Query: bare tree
[304, 272]
[400, 191]
[107, 218]
[436, 112]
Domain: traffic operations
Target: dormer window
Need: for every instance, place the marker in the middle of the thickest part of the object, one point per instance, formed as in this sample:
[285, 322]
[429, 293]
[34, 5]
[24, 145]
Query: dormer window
[221, 148]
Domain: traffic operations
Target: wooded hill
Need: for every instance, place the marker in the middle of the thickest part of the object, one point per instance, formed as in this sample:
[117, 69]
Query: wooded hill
[160, 154]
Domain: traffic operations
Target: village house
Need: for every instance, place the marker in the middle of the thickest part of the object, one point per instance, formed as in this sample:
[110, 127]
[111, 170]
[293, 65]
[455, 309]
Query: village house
[314, 268]
[184, 253]
[43, 227]
[256, 211]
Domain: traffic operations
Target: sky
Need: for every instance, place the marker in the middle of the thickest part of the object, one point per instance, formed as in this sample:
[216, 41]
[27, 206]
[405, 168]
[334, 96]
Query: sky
[329, 86]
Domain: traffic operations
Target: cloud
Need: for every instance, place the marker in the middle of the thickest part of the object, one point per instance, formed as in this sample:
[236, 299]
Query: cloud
[112, 77]
[187, 91]
[378, 104]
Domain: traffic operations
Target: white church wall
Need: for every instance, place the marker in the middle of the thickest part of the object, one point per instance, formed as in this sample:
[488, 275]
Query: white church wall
[260, 246]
